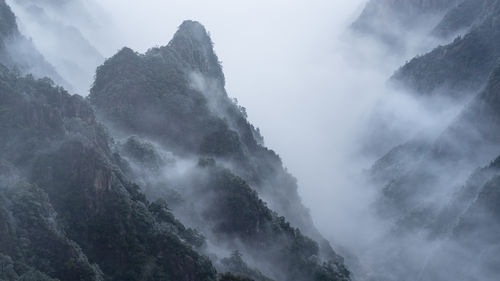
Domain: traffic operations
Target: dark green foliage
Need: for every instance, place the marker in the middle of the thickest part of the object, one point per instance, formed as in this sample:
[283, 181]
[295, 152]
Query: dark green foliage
[33, 236]
[175, 96]
[223, 143]
[236, 265]
[144, 153]
[54, 139]
[231, 277]
[8, 271]
[165, 218]
[237, 213]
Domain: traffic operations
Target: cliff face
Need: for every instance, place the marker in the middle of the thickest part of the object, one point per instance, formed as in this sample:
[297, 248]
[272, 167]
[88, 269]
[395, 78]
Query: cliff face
[173, 100]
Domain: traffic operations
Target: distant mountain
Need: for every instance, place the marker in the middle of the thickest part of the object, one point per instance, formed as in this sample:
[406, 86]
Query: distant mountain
[62, 44]
[439, 191]
[391, 20]
[471, 141]
[461, 68]
[463, 16]
[19, 53]
[436, 187]
[173, 102]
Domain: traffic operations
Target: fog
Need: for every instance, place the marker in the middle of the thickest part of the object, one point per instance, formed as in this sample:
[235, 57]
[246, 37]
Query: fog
[312, 88]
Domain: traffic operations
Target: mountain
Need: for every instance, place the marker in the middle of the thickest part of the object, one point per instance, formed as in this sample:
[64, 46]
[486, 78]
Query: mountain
[62, 44]
[463, 16]
[391, 20]
[170, 104]
[19, 53]
[67, 210]
[459, 69]
[439, 192]
[422, 168]
[167, 180]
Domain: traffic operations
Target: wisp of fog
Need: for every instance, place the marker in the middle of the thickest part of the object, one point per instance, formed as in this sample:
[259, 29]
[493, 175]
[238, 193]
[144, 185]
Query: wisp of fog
[307, 82]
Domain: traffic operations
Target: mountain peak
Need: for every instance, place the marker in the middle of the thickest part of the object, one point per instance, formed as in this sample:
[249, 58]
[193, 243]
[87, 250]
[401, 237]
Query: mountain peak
[192, 43]
[193, 29]
[192, 33]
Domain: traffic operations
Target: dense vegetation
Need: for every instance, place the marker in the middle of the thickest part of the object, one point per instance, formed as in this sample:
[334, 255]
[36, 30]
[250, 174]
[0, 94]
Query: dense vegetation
[73, 202]
[68, 211]
[174, 96]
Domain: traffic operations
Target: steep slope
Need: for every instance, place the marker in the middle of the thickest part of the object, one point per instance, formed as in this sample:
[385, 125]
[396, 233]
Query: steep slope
[173, 99]
[67, 210]
[468, 227]
[62, 44]
[391, 20]
[460, 68]
[175, 96]
[19, 53]
[435, 196]
[426, 168]
[462, 17]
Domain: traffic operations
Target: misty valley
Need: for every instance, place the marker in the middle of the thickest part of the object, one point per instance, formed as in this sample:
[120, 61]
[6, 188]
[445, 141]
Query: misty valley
[141, 162]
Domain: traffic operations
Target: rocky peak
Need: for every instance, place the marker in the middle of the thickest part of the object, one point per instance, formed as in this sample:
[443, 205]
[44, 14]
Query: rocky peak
[192, 44]
[194, 30]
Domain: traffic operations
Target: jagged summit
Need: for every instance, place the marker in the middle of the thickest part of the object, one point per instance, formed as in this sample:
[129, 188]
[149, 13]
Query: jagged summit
[193, 45]
[173, 100]
[193, 29]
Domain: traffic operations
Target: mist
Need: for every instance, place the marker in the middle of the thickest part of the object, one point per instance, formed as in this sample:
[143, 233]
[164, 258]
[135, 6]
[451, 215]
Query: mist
[311, 87]
[318, 92]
